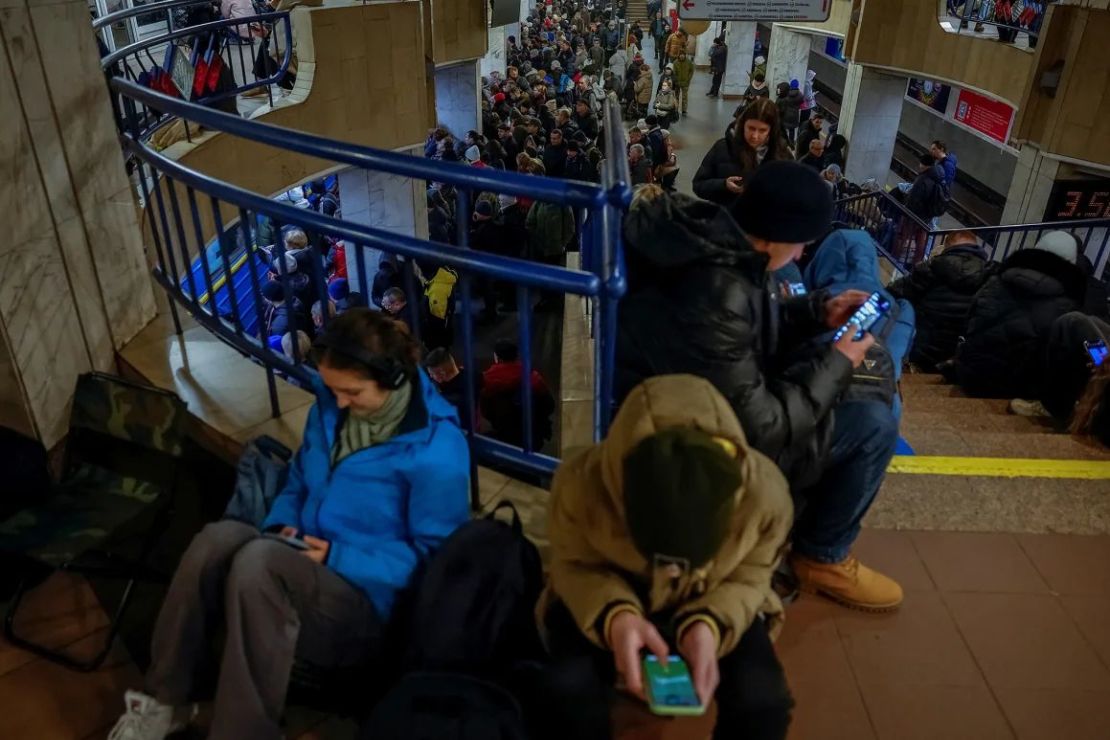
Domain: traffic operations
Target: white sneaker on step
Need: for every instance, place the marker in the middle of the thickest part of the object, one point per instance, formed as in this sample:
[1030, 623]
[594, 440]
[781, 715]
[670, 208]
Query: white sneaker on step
[148, 719]
[1022, 407]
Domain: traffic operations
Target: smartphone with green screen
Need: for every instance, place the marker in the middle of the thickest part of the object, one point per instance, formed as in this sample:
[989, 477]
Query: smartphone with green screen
[669, 688]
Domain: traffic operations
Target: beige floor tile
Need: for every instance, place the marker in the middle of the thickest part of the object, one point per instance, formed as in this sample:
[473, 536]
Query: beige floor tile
[1071, 564]
[1092, 615]
[58, 612]
[977, 561]
[907, 711]
[826, 711]
[1027, 641]
[1057, 714]
[918, 644]
[44, 700]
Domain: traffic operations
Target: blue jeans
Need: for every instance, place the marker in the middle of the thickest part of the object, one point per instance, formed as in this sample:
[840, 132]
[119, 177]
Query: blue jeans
[864, 437]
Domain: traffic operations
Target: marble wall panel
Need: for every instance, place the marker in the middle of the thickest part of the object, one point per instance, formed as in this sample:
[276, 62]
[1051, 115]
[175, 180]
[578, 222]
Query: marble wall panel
[788, 58]
[83, 116]
[738, 65]
[49, 154]
[457, 106]
[45, 344]
[870, 116]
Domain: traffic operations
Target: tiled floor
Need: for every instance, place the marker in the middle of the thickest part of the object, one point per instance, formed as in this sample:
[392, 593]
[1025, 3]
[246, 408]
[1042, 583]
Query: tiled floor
[1001, 636]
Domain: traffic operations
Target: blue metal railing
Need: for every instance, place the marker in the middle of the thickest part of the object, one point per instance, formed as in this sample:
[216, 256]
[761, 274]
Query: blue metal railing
[219, 42]
[904, 239]
[187, 208]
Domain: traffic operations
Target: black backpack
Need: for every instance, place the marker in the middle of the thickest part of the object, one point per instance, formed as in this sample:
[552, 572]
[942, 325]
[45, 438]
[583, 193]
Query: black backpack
[445, 706]
[939, 200]
[473, 611]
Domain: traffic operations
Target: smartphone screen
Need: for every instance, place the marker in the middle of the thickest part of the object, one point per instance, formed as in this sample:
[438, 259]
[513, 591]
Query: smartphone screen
[797, 288]
[670, 689]
[864, 317]
[1097, 351]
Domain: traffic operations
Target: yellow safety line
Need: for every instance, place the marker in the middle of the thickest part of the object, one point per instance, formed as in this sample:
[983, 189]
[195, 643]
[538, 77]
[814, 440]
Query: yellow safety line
[1000, 467]
[223, 278]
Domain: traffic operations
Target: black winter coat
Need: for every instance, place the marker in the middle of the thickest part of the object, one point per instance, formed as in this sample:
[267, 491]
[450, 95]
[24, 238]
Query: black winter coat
[920, 198]
[941, 291]
[721, 162]
[1004, 352]
[699, 302]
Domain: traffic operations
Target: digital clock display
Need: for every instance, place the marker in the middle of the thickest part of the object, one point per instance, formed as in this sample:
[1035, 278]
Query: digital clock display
[1078, 199]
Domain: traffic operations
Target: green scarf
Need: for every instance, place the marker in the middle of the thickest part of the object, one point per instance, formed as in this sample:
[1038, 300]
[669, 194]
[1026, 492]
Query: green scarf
[360, 432]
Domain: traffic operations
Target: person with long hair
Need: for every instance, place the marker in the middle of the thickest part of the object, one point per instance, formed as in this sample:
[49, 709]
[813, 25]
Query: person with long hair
[752, 140]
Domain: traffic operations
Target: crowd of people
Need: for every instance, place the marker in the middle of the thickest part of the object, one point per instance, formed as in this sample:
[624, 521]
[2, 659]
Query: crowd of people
[754, 423]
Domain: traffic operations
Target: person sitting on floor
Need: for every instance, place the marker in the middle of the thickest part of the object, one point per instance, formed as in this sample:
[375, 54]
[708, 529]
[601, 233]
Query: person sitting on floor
[501, 401]
[663, 538]
[941, 290]
[1012, 314]
[381, 479]
[450, 380]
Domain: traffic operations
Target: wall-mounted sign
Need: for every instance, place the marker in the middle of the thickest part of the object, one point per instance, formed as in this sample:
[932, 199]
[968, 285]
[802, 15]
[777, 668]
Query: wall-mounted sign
[991, 117]
[930, 93]
[834, 47]
[1071, 200]
[755, 10]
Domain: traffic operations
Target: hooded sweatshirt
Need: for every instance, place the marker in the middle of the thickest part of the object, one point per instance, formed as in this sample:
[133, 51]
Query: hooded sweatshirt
[595, 567]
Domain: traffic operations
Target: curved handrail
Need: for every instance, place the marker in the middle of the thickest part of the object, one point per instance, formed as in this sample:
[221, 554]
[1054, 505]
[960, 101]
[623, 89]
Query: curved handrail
[494, 266]
[357, 155]
[119, 15]
[197, 30]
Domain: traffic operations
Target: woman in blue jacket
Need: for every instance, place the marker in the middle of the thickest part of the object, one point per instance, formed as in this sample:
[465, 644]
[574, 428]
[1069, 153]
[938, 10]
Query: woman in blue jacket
[380, 480]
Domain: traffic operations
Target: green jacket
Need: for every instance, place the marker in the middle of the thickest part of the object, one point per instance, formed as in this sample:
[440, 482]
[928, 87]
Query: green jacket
[550, 229]
[683, 72]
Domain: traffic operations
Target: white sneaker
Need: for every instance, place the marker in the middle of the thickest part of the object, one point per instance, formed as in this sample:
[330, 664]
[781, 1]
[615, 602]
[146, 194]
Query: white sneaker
[1022, 407]
[148, 719]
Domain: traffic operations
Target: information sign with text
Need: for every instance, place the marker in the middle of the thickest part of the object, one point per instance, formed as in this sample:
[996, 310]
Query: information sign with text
[755, 10]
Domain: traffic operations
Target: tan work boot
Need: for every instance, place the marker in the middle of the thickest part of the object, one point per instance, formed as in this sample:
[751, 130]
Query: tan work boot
[848, 582]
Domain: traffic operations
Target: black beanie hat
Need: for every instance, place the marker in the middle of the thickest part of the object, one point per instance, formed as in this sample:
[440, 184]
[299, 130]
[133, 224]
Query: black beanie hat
[679, 489]
[785, 202]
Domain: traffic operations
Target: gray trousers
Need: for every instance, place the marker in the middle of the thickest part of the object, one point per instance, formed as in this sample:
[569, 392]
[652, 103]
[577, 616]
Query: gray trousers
[276, 605]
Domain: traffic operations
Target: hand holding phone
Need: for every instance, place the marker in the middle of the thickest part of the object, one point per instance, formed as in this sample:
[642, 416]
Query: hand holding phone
[286, 539]
[1097, 351]
[864, 318]
[734, 184]
[630, 633]
[670, 690]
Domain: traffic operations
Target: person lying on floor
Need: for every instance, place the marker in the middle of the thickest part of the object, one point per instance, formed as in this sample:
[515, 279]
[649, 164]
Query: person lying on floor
[663, 539]
[380, 480]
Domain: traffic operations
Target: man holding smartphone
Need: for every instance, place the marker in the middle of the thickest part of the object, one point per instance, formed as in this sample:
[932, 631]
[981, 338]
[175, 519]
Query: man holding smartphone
[700, 301]
[663, 539]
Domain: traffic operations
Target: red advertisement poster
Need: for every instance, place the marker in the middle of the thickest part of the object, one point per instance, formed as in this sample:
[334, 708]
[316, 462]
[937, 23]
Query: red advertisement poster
[983, 114]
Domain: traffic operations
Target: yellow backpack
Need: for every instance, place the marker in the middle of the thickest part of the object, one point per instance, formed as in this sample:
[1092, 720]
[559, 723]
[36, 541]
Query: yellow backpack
[438, 292]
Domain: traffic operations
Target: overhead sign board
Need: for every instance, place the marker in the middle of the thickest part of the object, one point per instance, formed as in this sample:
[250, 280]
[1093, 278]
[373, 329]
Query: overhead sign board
[755, 10]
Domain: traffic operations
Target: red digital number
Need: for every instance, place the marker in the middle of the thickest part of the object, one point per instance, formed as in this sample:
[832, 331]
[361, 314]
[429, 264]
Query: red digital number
[1097, 204]
[1074, 196]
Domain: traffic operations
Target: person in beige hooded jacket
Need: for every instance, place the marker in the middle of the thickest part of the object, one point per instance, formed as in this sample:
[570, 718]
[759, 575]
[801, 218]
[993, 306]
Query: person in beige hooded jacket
[666, 534]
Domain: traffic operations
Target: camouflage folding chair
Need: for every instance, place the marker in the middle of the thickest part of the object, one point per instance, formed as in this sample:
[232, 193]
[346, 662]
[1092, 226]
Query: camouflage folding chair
[120, 465]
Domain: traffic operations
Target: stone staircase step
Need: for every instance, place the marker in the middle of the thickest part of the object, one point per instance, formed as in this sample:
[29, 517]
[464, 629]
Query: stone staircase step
[957, 405]
[923, 379]
[972, 504]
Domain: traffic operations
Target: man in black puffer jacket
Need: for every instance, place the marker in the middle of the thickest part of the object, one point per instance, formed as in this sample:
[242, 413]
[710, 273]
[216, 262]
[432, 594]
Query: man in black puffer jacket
[941, 291]
[1011, 316]
[700, 302]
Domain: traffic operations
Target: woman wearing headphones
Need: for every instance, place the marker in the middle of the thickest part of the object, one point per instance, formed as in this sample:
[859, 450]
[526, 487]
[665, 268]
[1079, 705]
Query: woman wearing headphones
[380, 480]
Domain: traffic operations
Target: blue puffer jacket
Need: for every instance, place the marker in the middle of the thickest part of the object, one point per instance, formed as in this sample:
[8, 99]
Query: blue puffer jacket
[948, 165]
[848, 259]
[384, 509]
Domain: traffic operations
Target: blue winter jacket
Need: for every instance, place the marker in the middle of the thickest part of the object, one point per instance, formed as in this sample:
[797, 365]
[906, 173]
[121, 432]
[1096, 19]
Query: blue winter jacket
[384, 509]
[948, 164]
[848, 259]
